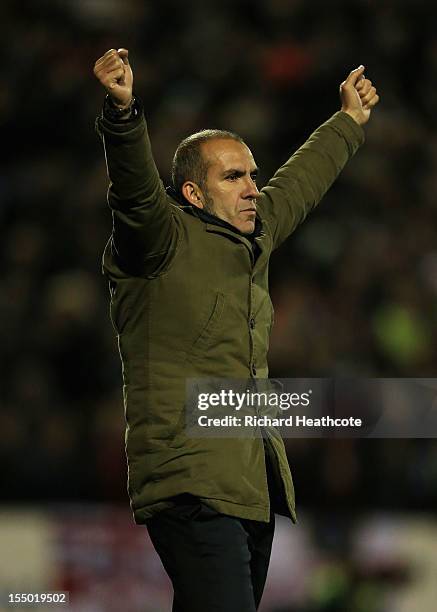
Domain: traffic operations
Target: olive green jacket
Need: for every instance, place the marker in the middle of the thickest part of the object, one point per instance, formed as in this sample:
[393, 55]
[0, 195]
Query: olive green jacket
[190, 300]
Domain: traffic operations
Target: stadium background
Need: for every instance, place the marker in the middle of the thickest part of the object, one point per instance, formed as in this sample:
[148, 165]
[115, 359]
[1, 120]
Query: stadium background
[354, 289]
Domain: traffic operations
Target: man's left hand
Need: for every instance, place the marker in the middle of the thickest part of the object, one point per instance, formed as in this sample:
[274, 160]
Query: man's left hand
[358, 96]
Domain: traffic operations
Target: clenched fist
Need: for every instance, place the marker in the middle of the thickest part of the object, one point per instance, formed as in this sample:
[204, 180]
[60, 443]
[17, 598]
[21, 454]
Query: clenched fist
[115, 74]
[358, 96]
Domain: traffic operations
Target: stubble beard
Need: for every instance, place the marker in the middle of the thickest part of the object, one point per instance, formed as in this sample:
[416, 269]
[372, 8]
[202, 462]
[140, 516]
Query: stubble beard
[208, 205]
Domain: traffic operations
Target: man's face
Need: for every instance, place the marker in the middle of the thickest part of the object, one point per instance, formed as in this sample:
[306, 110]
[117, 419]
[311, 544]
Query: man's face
[230, 192]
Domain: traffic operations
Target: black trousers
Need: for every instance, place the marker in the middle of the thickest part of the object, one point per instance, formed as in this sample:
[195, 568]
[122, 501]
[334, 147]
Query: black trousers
[217, 563]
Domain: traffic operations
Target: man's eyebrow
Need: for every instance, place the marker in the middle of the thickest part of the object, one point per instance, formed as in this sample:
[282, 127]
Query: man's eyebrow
[240, 172]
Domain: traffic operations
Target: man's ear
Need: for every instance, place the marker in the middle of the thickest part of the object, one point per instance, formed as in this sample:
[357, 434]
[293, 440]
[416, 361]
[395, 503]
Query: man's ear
[192, 193]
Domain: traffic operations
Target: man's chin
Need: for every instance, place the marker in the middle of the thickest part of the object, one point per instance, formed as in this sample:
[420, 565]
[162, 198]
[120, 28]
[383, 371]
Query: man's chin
[248, 227]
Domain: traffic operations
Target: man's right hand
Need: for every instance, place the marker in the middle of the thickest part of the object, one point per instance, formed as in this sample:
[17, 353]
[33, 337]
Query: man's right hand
[115, 74]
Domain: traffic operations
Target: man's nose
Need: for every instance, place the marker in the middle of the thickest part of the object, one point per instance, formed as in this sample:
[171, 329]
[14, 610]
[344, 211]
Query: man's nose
[251, 190]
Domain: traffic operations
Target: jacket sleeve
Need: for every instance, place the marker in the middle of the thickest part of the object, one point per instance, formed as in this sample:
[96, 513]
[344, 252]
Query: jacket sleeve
[299, 185]
[144, 235]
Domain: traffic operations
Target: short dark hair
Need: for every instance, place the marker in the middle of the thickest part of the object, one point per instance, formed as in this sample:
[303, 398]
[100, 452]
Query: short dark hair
[189, 163]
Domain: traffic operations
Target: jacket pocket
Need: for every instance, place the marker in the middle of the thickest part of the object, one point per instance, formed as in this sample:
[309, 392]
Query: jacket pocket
[211, 329]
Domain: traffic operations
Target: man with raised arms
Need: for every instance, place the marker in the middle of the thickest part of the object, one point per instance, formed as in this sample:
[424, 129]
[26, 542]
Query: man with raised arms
[188, 278]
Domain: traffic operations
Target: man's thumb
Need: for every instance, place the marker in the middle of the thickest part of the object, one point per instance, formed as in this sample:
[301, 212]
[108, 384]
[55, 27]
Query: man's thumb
[123, 53]
[354, 76]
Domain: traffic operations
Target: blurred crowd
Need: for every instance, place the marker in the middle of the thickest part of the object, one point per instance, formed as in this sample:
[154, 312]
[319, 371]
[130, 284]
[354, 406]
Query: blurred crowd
[354, 288]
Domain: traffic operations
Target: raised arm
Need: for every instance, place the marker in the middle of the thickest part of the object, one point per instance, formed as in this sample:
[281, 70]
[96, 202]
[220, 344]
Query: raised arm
[299, 185]
[144, 233]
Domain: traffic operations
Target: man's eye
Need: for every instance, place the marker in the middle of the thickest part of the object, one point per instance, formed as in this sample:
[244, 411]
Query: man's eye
[253, 177]
[232, 177]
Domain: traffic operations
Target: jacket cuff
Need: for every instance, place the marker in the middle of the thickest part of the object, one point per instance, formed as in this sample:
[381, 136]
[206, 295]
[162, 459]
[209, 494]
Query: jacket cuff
[106, 125]
[347, 127]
